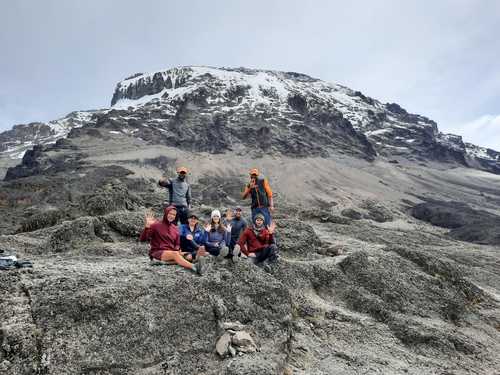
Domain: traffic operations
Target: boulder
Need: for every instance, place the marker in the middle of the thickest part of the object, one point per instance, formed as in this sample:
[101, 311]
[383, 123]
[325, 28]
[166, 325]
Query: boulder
[296, 237]
[126, 223]
[351, 213]
[376, 211]
[75, 234]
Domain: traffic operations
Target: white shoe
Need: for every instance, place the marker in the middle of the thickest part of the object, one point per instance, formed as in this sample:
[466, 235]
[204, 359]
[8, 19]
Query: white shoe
[236, 252]
[223, 252]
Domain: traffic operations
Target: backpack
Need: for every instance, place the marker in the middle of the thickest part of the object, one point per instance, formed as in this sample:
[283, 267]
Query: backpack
[10, 262]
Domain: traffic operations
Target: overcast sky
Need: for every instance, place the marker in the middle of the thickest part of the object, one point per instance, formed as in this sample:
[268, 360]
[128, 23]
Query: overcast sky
[437, 58]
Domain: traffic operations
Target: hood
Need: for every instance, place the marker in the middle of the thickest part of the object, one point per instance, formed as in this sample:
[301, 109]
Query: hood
[165, 213]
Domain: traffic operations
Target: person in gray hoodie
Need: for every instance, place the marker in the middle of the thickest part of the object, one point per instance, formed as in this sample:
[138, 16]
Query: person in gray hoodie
[179, 194]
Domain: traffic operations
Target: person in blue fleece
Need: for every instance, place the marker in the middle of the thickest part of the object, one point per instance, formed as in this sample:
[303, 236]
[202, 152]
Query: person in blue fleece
[216, 236]
[192, 237]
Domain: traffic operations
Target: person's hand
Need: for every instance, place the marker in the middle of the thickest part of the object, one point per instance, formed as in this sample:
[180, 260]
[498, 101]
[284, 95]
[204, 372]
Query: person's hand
[162, 180]
[149, 218]
[271, 228]
[271, 208]
[189, 237]
[251, 185]
[201, 251]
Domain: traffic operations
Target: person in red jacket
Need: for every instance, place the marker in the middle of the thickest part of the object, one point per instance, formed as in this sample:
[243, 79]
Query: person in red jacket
[164, 239]
[258, 241]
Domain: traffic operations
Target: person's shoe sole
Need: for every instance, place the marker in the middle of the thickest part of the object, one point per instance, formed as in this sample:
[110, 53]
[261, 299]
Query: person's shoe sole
[156, 262]
[201, 266]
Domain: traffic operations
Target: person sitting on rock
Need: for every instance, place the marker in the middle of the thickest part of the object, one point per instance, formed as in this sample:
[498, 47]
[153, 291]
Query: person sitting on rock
[216, 236]
[193, 237]
[262, 196]
[179, 192]
[258, 241]
[165, 241]
[235, 225]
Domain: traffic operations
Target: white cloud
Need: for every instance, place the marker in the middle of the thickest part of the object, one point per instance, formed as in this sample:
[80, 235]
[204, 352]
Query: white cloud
[483, 131]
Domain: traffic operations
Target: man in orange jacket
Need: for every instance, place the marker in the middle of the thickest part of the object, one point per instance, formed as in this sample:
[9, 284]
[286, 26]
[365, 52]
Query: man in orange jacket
[262, 196]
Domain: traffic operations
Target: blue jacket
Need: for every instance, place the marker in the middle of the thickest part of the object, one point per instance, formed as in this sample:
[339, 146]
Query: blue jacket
[213, 237]
[237, 227]
[198, 237]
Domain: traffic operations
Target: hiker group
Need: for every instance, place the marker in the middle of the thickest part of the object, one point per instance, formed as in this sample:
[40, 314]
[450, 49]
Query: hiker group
[190, 243]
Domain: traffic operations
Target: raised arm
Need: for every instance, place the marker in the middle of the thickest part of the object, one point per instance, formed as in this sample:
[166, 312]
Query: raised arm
[246, 192]
[269, 193]
[165, 182]
[149, 220]
[188, 196]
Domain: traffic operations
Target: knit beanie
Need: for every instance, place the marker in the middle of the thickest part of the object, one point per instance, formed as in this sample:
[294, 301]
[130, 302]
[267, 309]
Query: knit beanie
[259, 216]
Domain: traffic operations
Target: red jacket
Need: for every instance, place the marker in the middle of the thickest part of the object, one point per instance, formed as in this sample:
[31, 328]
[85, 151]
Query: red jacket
[162, 235]
[250, 243]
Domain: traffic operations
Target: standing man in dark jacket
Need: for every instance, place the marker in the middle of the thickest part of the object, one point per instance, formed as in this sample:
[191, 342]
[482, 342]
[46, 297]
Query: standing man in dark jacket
[236, 225]
[262, 196]
[179, 194]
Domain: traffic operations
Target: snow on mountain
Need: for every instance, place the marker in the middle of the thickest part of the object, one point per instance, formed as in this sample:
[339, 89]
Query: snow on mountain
[391, 129]
[15, 142]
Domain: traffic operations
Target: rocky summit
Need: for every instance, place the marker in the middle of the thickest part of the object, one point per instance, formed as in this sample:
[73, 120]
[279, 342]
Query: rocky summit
[387, 229]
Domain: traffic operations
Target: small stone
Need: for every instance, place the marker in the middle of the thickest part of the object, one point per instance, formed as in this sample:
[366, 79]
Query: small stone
[235, 326]
[243, 339]
[247, 349]
[223, 345]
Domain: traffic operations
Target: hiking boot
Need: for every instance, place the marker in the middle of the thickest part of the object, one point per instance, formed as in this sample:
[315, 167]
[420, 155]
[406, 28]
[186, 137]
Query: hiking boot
[236, 253]
[224, 251]
[200, 267]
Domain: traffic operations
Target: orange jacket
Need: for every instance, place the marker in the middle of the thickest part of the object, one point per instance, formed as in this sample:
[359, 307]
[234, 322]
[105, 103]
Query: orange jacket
[255, 194]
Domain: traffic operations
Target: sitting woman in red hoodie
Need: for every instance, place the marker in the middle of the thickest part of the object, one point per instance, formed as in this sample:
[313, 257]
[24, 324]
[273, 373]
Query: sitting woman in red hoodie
[258, 241]
[165, 240]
